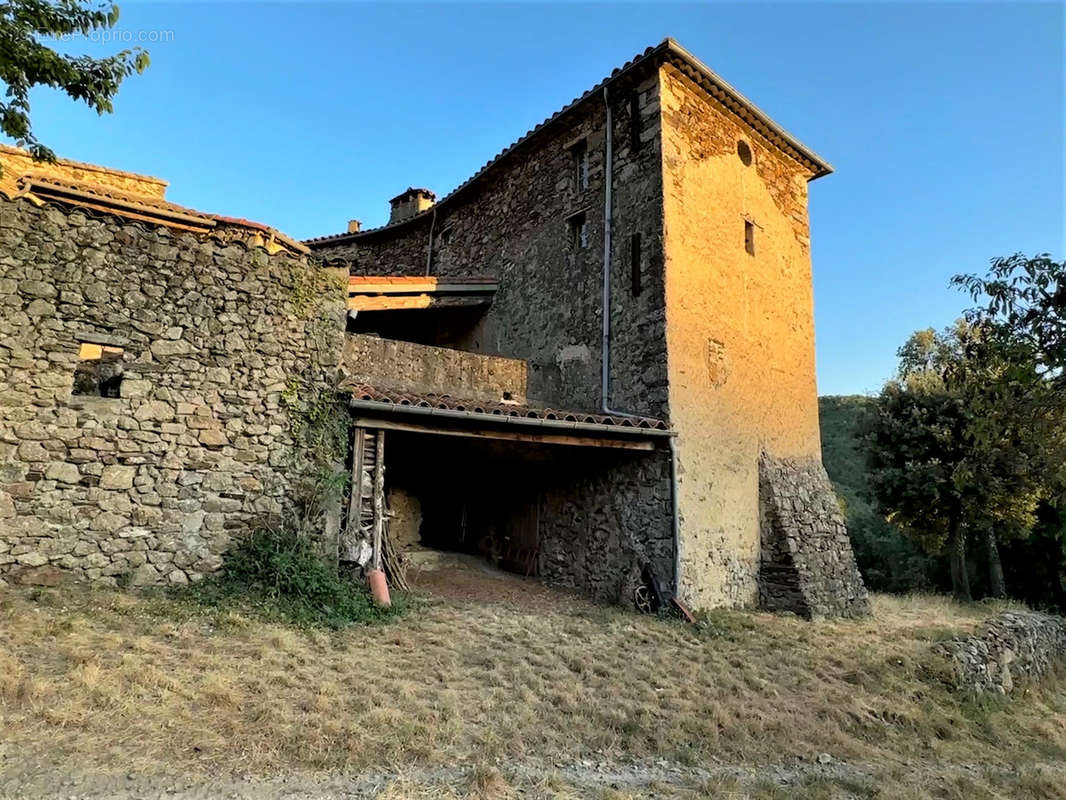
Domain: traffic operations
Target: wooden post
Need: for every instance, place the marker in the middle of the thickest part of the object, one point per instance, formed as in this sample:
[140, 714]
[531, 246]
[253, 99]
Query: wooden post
[379, 498]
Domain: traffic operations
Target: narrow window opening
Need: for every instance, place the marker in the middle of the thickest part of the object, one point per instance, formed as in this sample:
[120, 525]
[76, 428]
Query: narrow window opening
[749, 237]
[634, 264]
[634, 121]
[580, 155]
[445, 237]
[99, 370]
[579, 231]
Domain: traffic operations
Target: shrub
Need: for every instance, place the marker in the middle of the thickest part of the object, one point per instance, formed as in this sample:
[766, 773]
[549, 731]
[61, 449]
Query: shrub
[276, 574]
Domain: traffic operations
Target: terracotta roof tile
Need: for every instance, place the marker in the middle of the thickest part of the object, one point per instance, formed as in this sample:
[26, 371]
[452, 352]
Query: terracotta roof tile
[385, 397]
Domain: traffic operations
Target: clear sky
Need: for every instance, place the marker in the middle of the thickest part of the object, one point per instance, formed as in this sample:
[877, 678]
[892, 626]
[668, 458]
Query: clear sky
[945, 123]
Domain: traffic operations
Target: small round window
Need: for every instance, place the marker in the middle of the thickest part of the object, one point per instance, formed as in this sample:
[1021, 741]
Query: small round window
[744, 152]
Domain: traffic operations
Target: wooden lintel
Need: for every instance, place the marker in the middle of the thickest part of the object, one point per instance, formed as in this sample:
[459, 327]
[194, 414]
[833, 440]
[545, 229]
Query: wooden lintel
[547, 437]
[363, 302]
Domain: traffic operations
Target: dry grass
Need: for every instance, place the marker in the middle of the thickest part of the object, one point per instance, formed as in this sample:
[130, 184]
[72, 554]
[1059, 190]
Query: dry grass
[115, 681]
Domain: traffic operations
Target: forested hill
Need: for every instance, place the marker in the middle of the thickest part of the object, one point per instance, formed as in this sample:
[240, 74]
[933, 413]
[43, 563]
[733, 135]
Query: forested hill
[888, 561]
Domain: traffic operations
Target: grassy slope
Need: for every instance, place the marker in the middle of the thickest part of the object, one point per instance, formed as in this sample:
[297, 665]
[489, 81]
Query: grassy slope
[100, 680]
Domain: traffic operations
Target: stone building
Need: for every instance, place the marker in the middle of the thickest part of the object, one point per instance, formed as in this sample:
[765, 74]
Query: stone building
[593, 360]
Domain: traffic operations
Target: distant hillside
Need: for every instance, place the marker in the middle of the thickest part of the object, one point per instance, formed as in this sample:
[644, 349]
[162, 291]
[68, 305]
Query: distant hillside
[887, 560]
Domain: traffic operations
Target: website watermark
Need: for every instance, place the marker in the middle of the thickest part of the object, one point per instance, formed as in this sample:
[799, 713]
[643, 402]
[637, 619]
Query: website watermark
[120, 36]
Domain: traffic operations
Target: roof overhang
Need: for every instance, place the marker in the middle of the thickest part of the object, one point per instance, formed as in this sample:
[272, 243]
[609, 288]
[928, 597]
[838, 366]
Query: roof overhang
[394, 293]
[518, 428]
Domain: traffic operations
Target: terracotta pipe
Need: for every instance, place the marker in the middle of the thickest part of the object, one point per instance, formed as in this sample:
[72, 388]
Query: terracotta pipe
[379, 587]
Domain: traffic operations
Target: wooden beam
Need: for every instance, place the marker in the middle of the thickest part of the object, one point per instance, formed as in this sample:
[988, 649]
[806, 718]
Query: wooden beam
[400, 302]
[510, 436]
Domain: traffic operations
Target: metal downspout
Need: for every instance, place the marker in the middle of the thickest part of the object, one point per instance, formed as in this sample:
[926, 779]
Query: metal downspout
[605, 372]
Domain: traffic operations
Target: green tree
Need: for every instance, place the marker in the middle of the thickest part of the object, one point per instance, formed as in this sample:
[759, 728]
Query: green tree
[949, 458]
[26, 61]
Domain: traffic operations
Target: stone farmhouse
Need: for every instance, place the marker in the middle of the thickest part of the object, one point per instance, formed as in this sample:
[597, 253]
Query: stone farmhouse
[593, 361]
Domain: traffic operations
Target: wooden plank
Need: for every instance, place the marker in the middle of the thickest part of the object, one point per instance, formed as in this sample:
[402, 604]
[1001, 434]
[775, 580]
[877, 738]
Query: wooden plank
[401, 302]
[363, 286]
[379, 498]
[511, 436]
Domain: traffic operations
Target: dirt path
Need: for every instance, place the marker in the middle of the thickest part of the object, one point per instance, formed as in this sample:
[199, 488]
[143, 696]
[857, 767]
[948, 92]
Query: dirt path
[796, 778]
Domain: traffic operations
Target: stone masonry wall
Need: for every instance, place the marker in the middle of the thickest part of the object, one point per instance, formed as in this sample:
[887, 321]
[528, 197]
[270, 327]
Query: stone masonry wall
[808, 566]
[387, 363]
[739, 328]
[512, 224]
[598, 527]
[1014, 648]
[155, 483]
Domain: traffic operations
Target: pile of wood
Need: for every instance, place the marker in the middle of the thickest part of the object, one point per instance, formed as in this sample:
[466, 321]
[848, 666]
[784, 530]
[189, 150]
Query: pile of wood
[366, 540]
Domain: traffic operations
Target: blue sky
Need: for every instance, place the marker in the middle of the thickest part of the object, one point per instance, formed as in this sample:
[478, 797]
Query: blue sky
[945, 123]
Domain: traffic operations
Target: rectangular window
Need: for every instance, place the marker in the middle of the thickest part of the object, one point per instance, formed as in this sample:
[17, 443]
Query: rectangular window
[99, 370]
[634, 264]
[749, 237]
[579, 231]
[634, 121]
[580, 155]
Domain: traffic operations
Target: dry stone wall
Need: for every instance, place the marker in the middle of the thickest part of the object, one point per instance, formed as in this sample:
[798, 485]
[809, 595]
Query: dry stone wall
[418, 368]
[600, 526]
[1013, 648]
[808, 566]
[152, 484]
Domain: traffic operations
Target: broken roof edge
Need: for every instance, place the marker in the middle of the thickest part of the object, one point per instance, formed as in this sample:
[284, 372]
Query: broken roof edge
[668, 47]
[212, 225]
[67, 162]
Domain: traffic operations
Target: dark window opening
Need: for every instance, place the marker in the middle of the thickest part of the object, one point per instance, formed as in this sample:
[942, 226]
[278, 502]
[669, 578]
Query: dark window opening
[749, 237]
[744, 152]
[579, 231]
[99, 370]
[634, 121]
[634, 264]
[445, 237]
[580, 155]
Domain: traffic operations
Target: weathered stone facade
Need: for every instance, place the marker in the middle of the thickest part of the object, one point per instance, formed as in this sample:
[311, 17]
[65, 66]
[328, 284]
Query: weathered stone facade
[1014, 648]
[661, 203]
[807, 565]
[151, 484]
[711, 316]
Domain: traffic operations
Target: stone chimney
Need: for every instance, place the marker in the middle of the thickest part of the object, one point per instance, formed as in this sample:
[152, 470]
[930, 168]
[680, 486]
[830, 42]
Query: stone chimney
[354, 226]
[406, 205]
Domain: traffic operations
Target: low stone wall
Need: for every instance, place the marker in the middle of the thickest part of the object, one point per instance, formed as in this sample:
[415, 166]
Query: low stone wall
[808, 566]
[422, 369]
[1012, 648]
[154, 480]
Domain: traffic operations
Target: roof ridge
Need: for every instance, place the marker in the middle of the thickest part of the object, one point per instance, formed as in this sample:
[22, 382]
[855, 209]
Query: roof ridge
[669, 46]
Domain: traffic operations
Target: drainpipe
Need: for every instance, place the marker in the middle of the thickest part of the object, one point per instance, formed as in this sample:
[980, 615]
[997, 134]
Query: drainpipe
[605, 361]
[429, 248]
[608, 174]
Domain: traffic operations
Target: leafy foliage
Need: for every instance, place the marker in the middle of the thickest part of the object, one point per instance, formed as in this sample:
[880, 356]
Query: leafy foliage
[949, 456]
[1024, 303]
[888, 560]
[275, 574]
[26, 62]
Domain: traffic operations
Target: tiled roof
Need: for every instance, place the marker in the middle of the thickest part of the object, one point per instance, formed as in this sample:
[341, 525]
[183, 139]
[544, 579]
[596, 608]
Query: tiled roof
[386, 397]
[55, 189]
[694, 68]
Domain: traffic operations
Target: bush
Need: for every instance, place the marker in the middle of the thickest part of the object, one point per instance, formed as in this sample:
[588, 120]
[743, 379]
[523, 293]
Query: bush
[277, 575]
